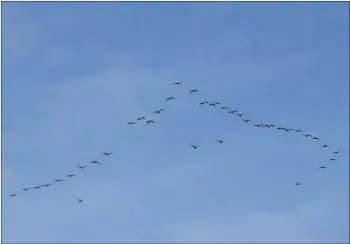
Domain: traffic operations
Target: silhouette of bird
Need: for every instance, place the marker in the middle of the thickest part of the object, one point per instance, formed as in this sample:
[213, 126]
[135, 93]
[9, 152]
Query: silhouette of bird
[323, 167]
[307, 135]
[13, 195]
[203, 102]
[37, 187]
[336, 152]
[246, 120]
[240, 115]
[70, 176]
[298, 130]
[258, 125]
[220, 141]
[149, 121]
[212, 104]
[95, 162]
[79, 200]
[286, 129]
[169, 98]
[177, 83]
[82, 167]
[107, 153]
[298, 184]
[131, 123]
[59, 180]
[26, 189]
[223, 108]
[231, 112]
[325, 145]
[280, 128]
[140, 118]
[158, 111]
[271, 125]
[332, 159]
[315, 138]
[193, 90]
[47, 185]
[194, 146]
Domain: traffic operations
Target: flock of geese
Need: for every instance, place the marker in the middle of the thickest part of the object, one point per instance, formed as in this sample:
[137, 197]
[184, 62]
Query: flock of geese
[227, 109]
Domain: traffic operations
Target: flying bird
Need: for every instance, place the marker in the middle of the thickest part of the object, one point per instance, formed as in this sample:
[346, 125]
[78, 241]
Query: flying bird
[82, 167]
[194, 146]
[246, 120]
[271, 125]
[333, 159]
[26, 189]
[193, 90]
[240, 115]
[37, 187]
[95, 162]
[298, 184]
[336, 152]
[223, 108]
[220, 141]
[169, 98]
[298, 130]
[178, 83]
[70, 176]
[131, 123]
[203, 102]
[140, 118]
[59, 180]
[323, 167]
[158, 111]
[315, 138]
[79, 200]
[107, 153]
[307, 135]
[149, 121]
[212, 104]
[258, 125]
[13, 195]
[325, 145]
[47, 185]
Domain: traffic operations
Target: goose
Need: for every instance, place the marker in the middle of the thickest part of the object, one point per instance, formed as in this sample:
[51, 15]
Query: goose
[82, 167]
[192, 91]
[169, 98]
[194, 146]
[141, 118]
[178, 83]
[149, 121]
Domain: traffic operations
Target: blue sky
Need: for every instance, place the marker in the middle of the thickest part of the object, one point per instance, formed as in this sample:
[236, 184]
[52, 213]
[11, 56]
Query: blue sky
[75, 73]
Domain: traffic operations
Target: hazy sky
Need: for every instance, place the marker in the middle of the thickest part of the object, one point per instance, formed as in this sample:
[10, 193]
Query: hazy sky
[75, 73]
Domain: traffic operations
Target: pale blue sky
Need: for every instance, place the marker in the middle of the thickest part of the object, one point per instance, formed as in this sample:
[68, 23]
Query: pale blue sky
[75, 73]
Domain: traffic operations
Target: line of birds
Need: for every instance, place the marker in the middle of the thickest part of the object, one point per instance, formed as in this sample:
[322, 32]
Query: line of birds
[194, 147]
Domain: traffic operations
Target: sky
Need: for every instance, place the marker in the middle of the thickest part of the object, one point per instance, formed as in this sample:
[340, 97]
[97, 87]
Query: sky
[74, 74]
